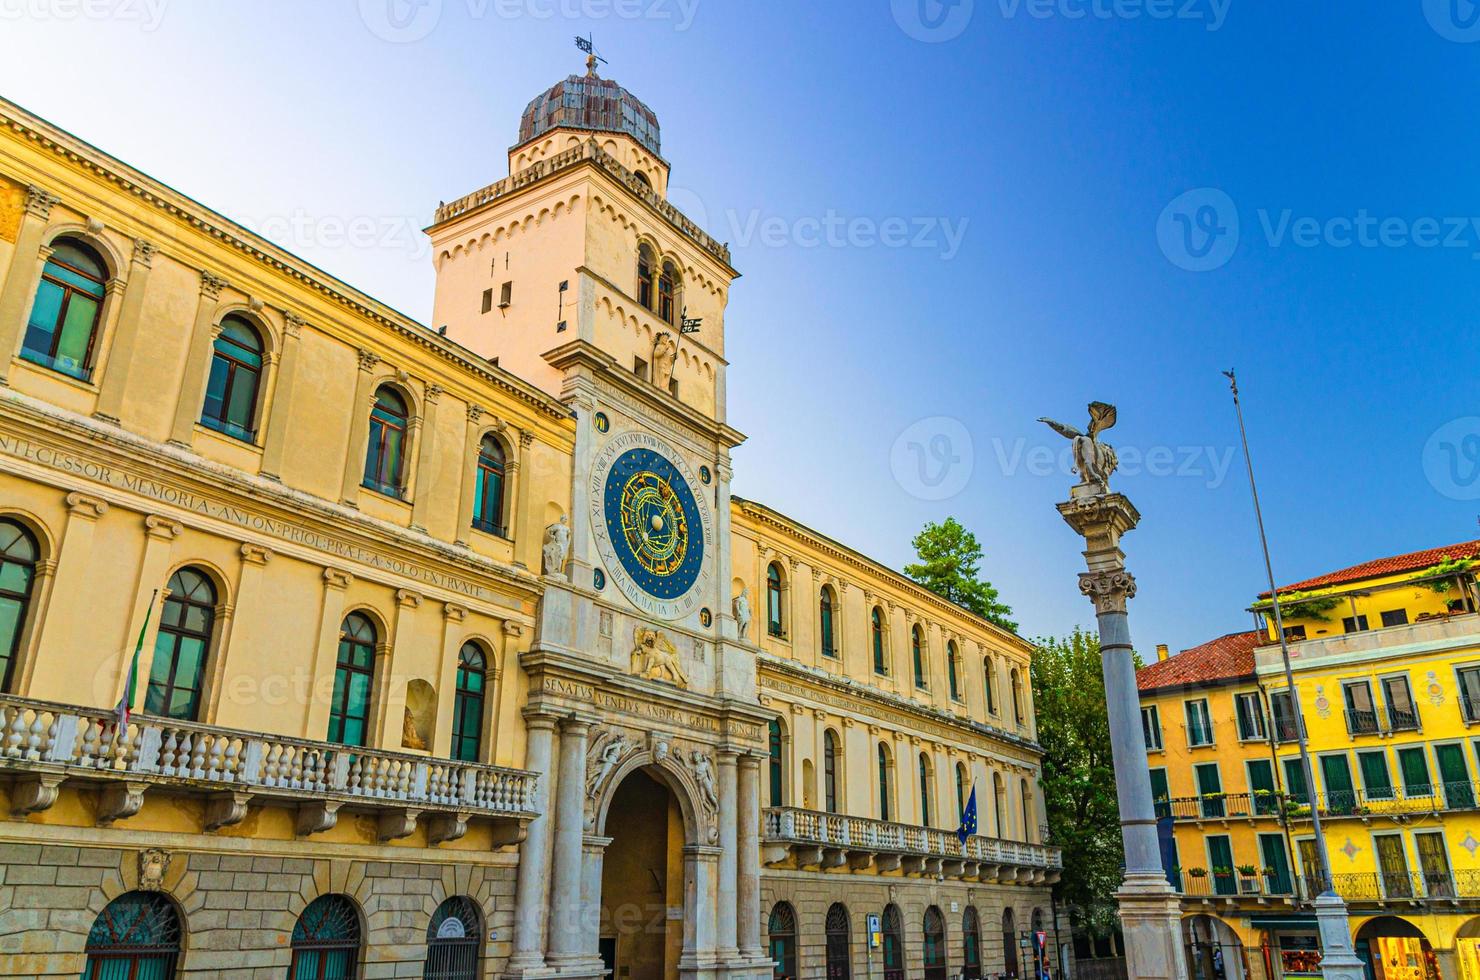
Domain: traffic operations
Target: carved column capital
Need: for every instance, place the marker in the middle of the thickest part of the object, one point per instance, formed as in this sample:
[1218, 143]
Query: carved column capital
[293, 325]
[454, 613]
[39, 201]
[1108, 590]
[211, 285]
[164, 528]
[526, 438]
[368, 360]
[434, 393]
[408, 599]
[475, 413]
[337, 578]
[256, 554]
[144, 252]
[86, 507]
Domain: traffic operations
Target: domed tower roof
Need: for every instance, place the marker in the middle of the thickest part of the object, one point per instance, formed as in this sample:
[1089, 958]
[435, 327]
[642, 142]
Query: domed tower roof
[594, 103]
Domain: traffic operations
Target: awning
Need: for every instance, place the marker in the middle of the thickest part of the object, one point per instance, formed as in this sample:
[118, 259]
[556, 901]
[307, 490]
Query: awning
[1283, 921]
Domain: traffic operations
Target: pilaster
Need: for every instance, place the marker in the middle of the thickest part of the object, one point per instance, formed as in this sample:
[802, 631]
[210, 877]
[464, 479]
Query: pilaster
[22, 275]
[203, 336]
[125, 334]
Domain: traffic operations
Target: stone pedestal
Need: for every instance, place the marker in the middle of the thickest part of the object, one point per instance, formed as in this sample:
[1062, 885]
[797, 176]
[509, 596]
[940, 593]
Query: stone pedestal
[1150, 910]
[1339, 960]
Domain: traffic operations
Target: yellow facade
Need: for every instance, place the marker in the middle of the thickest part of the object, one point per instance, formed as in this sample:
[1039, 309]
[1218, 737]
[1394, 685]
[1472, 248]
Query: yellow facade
[1382, 657]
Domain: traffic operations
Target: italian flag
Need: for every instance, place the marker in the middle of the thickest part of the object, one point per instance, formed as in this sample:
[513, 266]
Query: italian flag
[125, 705]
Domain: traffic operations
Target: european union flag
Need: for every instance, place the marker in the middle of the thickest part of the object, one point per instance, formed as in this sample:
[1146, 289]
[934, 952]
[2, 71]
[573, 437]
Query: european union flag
[968, 818]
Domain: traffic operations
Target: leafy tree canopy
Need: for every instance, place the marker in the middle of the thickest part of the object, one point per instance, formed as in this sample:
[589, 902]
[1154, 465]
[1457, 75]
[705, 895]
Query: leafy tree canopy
[950, 566]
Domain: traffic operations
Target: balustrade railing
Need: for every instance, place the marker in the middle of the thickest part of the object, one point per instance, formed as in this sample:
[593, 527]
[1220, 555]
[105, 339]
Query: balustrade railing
[789, 824]
[1391, 802]
[89, 740]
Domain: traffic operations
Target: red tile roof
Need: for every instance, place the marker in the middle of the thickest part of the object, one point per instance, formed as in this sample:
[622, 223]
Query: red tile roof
[1226, 658]
[1414, 561]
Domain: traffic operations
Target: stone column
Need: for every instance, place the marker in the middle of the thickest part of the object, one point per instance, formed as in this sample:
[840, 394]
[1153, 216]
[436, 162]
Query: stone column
[426, 460]
[699, 875]
[748, 857]
[1149, 909]
[125, 334]
[20, 278]
[594, 855]
[531, 890]
[727, 892]
[469, 486]
[359, 429]
[203, 336]
[566, 937]
[275, 426]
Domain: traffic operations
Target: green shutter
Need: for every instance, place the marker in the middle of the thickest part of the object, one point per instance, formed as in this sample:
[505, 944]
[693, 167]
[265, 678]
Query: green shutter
[1376, 780]
[1336, 773]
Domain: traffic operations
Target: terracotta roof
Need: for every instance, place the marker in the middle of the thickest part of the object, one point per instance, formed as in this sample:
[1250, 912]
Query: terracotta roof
[1227, 658]
[1398, 564]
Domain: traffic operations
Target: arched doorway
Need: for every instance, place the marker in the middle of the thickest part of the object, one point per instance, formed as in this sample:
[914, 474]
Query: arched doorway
[838, 967]
[1401, 948]
[642, 878]
[1467, 950]
[1214, 951]
[971, 944]
[136, 935]
[1009, 944]
[893, 944]
[935, 944]
[781, 931]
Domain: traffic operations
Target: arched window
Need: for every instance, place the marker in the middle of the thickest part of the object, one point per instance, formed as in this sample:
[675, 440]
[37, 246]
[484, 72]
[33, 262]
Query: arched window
[326, 940]
[667, 291]
[642, 178]
[893, 944]
[467, 704]
[885, 764]
[971, 945]
[63, 329]
[917, 650]
[825, 615]
[989, 675]
[236, 376]
[1027, 801]
[453, 940]
[774, 625]
[838, 959]
[876, 629]
[999, 805]
[645, 266]
[1017, 697]
[1009, 943]
[777, 797]
[951, 654]
[960, 787]
[135, 937]
[488, 492]
[386, 451]
[830, 771]
[354, 673]
[926, 784]
[935, 944]
[18, 555]
[181, 647]
[782, 929]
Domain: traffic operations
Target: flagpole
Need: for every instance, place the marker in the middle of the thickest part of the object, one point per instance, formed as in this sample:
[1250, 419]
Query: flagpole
[125, 705]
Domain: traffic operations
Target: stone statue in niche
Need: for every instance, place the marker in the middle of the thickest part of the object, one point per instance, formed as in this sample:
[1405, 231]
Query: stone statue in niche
[1094, 461]
[665, 353]
[742, 611]
[655, 658]
[557, 547]
[420, 715]
[704, 776]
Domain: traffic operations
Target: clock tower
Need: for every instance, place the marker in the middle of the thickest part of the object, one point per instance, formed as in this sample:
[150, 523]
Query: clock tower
[576, 273]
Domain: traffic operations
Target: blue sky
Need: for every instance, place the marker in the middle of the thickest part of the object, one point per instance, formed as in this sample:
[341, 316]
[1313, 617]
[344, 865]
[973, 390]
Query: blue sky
[950, 220]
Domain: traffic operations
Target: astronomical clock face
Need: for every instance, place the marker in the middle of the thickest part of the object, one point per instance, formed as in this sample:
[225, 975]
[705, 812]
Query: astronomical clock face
[654, 534]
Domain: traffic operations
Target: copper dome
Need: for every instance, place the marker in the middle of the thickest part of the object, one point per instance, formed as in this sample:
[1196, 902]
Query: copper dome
[594, 103]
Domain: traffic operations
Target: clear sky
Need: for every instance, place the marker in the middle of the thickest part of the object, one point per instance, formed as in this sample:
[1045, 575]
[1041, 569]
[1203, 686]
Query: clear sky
[950, 221]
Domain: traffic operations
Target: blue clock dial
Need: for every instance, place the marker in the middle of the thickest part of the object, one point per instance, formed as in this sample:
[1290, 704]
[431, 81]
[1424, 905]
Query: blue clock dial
[653, 523]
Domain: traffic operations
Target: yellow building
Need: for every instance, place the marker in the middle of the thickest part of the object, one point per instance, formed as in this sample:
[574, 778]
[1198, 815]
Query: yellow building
[455, 653]
[1386, 657]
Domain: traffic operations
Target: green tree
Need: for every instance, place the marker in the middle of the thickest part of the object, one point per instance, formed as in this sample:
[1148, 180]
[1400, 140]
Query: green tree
[949, 565]
[1079, 775]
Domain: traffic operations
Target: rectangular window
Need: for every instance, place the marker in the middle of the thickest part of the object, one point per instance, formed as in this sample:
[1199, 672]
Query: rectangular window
[640, 368]
[1377, 782]
[1220, 856]
[1433, 861]
[1295, 782]
[1261, 787]
[1282, 708]
[1402, 712]
[1354, 624]
[1199, 723]
[505, 295]
[487, 300]
[1151, 726]
[1395, 617]
[1294, 633]
[1310, 867]
[1454, 771]
[1336, 773]
[1392, 864]
[1361, 713]
[1469, 692]
[1250, 717]
[1276, 864]
[1414, 766]
[1210, 789]
[1161, 794]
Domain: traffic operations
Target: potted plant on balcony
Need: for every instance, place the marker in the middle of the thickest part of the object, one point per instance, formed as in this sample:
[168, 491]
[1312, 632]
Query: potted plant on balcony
[1223, 881]
[1248, 879]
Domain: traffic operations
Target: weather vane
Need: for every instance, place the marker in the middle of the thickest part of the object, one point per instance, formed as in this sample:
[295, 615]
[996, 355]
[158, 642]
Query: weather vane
[588, 45]
[689, 324]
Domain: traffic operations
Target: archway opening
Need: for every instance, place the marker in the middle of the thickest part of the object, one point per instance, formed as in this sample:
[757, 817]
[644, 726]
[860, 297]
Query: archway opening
[642, 881]
[1396, 949]
[1214, 950]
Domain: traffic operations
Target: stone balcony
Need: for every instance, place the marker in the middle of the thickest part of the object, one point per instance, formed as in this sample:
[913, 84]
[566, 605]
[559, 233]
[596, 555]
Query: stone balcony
[44, 745]
[812, 840]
